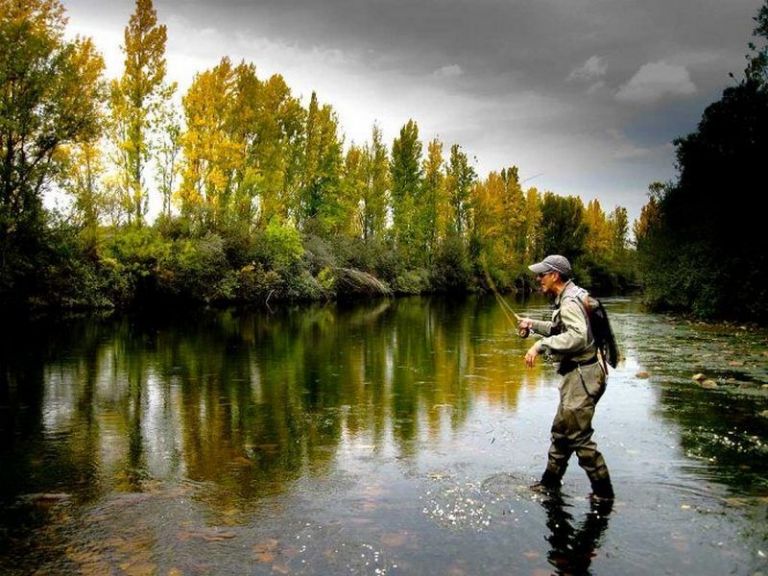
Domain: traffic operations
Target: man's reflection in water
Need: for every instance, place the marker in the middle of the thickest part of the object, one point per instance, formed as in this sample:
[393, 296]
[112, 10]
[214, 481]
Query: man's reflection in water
[574, 546]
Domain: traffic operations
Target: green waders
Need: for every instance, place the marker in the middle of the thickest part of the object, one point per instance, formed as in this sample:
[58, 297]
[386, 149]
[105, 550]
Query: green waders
[581, 388]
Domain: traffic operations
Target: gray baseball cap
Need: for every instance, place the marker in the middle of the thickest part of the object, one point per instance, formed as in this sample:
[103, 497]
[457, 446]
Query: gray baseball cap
[553, 262]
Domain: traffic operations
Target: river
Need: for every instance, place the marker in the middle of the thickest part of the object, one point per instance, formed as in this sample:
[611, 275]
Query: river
[392, 437]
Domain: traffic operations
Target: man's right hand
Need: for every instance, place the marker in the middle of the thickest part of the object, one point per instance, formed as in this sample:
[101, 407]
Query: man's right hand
[524, 327]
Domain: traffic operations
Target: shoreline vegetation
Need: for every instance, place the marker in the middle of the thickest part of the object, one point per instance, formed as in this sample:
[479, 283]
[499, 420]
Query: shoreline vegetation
[263, 202]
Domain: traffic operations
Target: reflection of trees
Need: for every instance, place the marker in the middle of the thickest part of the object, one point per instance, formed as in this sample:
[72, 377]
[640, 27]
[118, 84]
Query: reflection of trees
[49, 410]
[252, 400]
[21, 402]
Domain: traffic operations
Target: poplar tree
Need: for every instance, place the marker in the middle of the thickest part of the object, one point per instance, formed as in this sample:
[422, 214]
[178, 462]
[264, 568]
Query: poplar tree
[318, 207]
[599, 239]
[460, 178]
[353, 184]
[533, 249]
[618, 220]
[513, 203]
[486, 240]
[278, 147]
[211, 151]
[406, 176]
[168, 157]
[563, 230]
[375, 194]
[434, 206]
[137, 99]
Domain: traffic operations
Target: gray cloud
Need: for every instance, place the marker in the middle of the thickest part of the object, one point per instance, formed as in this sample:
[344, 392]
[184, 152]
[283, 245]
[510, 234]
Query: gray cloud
[587, 92]
[593, 69]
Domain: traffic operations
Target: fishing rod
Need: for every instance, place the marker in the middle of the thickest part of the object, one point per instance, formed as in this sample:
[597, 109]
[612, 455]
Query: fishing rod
[505, 307]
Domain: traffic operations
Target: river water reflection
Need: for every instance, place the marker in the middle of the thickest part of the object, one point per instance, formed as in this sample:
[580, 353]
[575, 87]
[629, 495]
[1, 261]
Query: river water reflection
[395, 437]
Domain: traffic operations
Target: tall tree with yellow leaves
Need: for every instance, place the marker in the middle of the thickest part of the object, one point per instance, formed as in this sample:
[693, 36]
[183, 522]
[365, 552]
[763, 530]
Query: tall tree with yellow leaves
[277, 150]
[137, 99]
[434, 213]
[212, 153]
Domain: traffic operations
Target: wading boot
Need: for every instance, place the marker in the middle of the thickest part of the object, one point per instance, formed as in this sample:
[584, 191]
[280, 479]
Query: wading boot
[602, 489]
[550, 482]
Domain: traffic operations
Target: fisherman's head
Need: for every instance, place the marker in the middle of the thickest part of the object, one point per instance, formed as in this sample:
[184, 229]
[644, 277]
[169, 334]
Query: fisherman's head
[552, 273]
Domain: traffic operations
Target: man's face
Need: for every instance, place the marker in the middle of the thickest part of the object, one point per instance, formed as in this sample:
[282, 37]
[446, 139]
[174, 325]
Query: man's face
[547, 281]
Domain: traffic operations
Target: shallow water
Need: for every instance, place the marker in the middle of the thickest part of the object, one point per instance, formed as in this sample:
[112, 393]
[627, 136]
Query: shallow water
[396, 437]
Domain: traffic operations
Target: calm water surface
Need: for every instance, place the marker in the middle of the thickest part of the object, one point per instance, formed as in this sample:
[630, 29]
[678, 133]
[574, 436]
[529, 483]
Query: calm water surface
[396, 437]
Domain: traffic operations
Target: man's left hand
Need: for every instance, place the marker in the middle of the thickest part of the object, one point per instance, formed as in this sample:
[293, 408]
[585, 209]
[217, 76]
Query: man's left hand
[530, 356]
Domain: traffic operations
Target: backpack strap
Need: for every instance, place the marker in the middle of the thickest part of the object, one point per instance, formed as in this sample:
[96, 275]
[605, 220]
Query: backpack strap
[583, 303]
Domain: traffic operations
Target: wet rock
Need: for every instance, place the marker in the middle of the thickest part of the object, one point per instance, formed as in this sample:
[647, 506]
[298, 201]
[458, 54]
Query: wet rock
[709, 384]
[642, 375]
[764, 413]
[699, 377]
[207, 535]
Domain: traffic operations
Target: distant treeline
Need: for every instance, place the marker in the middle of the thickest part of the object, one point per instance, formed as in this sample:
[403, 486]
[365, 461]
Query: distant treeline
[702, 240]
[260, 198]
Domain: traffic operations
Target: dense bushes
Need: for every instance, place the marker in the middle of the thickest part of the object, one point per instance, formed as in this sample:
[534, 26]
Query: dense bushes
[166, 264]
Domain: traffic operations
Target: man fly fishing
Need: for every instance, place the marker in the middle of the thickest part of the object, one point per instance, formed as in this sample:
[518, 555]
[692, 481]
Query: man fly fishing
[567, 337]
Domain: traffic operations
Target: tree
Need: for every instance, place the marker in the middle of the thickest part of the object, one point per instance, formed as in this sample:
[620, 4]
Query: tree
[486, 242]
[277, 150]
[375, 193]
[460, 178]
[618, 221]
[319, 210]
[81, 177]
[406, 174]
[562, 225]
[433, 209]
[650, 215]
[50, 91]
[212, 153]
[513, 204]
[533, 249]
[757, 67]
[137, 99]
[353, 182]
[600, 235]
[168, 155]
[687, 260]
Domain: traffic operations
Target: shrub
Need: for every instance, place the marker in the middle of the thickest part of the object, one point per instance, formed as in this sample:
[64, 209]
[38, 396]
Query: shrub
[451, 270]
[279, 248]
[197, 269]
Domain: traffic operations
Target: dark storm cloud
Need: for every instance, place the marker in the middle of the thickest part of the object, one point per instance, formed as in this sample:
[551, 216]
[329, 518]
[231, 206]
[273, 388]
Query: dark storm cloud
[540, 40]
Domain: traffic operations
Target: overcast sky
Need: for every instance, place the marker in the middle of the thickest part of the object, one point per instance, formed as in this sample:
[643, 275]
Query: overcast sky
[584, 96]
